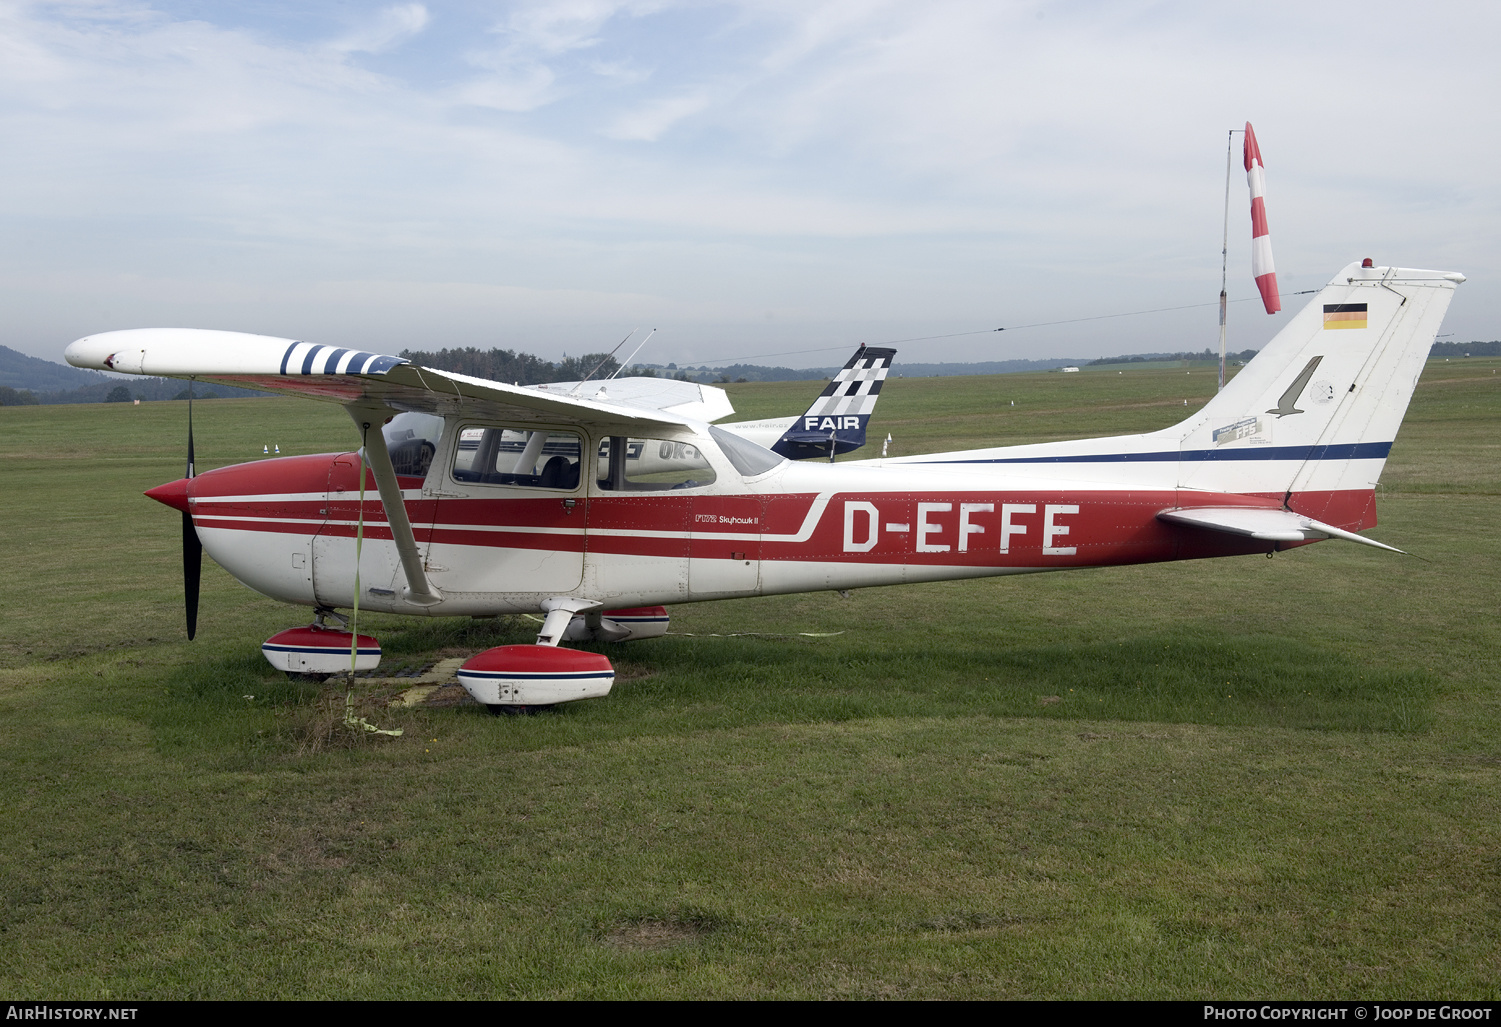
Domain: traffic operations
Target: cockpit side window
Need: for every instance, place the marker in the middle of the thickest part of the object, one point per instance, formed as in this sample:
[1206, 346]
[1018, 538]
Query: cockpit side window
[545, 459]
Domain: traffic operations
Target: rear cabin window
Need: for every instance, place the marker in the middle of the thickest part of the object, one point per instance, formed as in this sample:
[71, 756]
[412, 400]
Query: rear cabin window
[651, 465]
[518, 456]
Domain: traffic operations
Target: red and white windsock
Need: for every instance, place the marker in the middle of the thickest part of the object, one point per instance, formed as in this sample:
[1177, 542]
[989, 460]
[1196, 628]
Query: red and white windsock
[1261, 242]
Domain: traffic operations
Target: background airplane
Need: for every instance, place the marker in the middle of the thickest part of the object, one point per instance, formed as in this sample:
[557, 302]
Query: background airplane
[836, 422]
[600, 514]
[833, 425]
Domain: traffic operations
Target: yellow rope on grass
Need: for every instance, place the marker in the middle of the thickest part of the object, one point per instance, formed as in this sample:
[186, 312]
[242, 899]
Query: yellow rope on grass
[350, 720]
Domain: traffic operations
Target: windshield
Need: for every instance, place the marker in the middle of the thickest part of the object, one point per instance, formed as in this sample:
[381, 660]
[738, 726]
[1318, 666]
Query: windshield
[749, 459]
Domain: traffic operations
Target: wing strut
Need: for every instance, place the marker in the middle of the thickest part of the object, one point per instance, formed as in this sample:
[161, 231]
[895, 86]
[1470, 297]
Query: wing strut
[420, 591]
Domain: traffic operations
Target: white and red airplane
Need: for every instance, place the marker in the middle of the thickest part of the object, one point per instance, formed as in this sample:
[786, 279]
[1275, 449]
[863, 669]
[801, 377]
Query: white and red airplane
[483, 498]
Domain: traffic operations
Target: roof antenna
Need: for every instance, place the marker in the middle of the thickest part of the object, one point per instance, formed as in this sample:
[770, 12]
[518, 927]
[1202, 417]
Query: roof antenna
[607, 356]
[627, 362]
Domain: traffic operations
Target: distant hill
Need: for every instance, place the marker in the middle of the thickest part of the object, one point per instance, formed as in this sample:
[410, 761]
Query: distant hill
[49, 382]
[19, 371]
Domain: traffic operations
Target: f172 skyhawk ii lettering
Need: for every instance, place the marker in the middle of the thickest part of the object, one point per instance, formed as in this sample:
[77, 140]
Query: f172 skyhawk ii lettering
[483, 498]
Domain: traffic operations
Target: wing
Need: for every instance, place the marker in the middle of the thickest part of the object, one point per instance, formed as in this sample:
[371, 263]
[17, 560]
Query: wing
[690, 399]
[349, 376]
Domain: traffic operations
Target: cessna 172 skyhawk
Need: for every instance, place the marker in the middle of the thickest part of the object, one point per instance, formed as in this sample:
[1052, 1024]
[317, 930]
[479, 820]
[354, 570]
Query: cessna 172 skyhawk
[599, 514]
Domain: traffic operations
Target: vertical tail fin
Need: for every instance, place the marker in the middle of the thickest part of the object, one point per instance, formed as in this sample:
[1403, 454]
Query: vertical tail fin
[836, 421]
[1312, 418]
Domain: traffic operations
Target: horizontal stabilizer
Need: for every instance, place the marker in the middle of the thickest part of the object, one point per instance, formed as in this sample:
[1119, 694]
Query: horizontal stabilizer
[1271, 525]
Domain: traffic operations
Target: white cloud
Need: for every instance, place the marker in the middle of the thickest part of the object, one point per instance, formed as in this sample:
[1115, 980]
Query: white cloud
[834, 161]
[556, 26]
[389, 28]
[519, 89]
[649, 123]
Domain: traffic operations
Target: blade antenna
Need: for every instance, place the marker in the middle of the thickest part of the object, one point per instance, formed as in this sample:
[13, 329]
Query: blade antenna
[627, 362]
[607, 356]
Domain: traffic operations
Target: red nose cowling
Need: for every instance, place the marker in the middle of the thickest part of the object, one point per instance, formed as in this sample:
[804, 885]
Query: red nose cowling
[173, 494]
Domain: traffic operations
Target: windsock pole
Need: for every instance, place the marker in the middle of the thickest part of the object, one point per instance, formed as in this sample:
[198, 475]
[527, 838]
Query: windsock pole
[1225, 252]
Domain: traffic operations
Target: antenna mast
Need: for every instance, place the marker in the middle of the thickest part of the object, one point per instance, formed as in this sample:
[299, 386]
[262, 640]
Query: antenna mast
[1225, 251]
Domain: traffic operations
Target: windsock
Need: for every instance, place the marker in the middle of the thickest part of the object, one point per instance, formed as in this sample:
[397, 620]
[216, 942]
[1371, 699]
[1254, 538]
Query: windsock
[1261, 242]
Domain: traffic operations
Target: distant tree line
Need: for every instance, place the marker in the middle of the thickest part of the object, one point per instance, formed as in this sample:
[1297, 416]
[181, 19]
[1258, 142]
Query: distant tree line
[505, 365]
[1440, 349]
[145, 390]
[1466, 349]
[738, 373]
[1207, 354]
[10, 397]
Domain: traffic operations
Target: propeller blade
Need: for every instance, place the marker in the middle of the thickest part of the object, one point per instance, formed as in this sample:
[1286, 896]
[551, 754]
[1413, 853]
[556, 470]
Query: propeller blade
[192, 566]
[189, 473]
[192, 548]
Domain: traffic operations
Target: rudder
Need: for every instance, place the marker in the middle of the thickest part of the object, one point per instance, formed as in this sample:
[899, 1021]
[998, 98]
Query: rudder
[1312, 418]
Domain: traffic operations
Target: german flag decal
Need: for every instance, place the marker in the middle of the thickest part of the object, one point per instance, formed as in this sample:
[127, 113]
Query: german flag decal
[1344, 315]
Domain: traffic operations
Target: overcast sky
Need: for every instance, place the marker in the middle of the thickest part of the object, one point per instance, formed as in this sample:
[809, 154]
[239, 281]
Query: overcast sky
[775, 180]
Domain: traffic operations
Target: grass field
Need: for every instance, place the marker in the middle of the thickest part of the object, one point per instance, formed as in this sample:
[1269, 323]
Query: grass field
[1236, 778]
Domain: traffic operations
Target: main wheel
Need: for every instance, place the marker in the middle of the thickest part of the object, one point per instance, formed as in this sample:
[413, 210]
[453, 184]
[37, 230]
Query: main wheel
[513, 710]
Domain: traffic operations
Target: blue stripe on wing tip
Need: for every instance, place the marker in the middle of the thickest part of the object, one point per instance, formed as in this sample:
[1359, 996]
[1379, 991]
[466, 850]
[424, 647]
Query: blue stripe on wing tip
[382, 364]
[326, 360]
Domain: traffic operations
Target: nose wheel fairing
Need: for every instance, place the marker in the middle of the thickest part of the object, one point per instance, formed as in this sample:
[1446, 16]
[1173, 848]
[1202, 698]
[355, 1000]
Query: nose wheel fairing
[316, 649]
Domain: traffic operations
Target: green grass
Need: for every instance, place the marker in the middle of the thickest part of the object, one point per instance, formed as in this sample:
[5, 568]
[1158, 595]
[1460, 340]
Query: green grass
[1234, 778]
